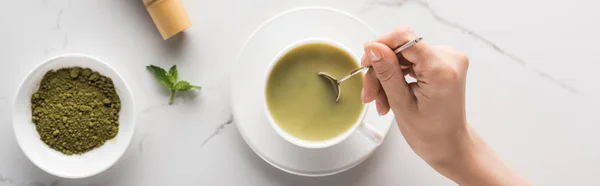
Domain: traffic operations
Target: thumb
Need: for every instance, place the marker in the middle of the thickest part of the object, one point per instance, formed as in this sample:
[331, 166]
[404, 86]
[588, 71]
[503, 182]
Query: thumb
[389, 72]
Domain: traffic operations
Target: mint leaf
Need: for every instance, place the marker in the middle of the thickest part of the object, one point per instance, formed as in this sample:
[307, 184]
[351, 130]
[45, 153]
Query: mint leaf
[161, 76]
[184, 85]
[169, 80]
[173, 74]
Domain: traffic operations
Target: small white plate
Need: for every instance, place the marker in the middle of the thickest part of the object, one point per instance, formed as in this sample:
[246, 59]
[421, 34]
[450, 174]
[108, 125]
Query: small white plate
[248, 97]
[52, 161]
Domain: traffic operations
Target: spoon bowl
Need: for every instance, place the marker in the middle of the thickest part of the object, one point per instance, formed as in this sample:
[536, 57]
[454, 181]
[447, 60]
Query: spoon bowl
[334, 83]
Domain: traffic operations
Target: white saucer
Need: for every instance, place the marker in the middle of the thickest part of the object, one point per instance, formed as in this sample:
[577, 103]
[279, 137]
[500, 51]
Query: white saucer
[248, 97]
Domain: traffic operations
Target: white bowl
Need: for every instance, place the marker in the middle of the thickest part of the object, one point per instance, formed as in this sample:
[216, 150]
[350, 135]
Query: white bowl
[52, 161]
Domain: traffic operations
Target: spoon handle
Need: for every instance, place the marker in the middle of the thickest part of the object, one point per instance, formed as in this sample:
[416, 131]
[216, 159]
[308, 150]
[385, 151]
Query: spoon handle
[354, 72]
[406, 45]
[397, 51]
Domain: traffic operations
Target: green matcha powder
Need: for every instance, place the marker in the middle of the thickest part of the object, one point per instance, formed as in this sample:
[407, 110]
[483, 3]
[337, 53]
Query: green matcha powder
[75, 110]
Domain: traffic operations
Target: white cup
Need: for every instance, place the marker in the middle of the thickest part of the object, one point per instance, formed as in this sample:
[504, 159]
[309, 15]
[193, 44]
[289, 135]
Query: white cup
[359, 126]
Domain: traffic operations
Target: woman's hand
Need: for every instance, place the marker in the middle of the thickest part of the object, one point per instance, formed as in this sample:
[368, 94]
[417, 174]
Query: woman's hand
[430, 112]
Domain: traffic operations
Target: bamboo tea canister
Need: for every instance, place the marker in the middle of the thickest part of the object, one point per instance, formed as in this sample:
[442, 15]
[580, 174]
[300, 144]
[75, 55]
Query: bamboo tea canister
[169, 16]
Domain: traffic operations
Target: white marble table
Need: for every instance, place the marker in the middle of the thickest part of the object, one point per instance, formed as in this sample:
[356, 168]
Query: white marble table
[532, 87]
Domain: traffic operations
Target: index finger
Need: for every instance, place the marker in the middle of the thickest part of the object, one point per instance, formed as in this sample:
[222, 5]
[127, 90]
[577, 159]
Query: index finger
[400, 36]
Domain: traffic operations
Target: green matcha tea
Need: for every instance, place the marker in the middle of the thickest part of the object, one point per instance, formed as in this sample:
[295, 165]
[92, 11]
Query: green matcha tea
[302, 103]
[75, 110]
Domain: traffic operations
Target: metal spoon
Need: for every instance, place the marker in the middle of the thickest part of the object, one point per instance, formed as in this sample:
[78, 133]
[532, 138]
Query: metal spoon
[336, 83]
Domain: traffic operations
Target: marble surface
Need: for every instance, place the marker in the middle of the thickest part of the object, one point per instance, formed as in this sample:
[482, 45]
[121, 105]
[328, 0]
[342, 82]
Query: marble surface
[532, 87]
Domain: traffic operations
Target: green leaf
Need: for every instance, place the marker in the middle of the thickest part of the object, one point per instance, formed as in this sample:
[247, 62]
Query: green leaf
[173, 74]
[161, 76]
[169, 80]
[184, 85]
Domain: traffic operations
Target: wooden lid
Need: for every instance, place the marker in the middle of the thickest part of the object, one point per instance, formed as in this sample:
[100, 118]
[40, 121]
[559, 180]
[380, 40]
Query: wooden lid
[169, 16]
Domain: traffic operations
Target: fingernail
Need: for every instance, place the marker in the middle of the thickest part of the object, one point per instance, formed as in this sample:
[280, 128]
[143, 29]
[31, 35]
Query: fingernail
[379, 111]
[374, 56]
[362, 95]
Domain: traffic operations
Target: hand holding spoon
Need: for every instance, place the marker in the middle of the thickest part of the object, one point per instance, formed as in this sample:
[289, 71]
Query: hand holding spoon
[336, 83]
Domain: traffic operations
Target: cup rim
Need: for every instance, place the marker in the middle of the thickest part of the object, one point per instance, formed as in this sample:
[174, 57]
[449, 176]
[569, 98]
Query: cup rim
[291, 138]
